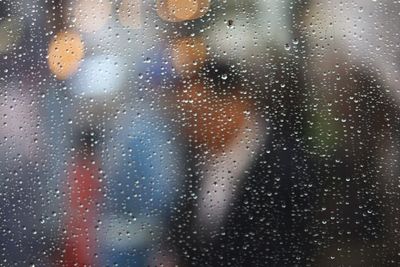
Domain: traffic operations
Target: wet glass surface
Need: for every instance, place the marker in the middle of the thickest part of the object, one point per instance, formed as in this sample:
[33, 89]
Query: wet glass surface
[199, 133]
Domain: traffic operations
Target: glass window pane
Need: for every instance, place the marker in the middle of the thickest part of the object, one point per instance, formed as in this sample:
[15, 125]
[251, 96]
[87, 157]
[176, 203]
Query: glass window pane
[199, 133]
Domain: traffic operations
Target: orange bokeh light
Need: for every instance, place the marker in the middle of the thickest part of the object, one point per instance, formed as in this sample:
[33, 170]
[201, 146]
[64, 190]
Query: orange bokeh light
[65, 53]
[181, 10]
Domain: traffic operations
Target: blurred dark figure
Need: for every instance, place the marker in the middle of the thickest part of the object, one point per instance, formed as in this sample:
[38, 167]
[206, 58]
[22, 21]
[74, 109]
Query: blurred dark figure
[248, 197]
[352, 73]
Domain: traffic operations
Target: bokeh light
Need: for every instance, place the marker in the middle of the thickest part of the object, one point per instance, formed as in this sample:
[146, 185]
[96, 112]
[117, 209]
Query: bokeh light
[181, 10]
[99, 76]
[65, 53]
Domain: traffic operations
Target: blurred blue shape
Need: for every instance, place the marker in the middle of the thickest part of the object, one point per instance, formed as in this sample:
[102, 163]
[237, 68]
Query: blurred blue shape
[142, 166]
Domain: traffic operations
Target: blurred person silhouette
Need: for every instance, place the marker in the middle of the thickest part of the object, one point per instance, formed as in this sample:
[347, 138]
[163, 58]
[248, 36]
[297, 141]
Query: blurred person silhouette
[244, 184]
[84, 195]
[142, 162]
[352, 71]
[247, 197]
[112, 89]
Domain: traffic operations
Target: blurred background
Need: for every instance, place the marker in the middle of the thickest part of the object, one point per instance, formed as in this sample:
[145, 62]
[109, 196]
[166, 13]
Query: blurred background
[199, 133]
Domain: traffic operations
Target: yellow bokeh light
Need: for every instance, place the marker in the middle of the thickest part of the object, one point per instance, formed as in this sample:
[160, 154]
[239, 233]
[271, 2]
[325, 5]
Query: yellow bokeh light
[181, 10]
[65, 53]
[129, 14]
